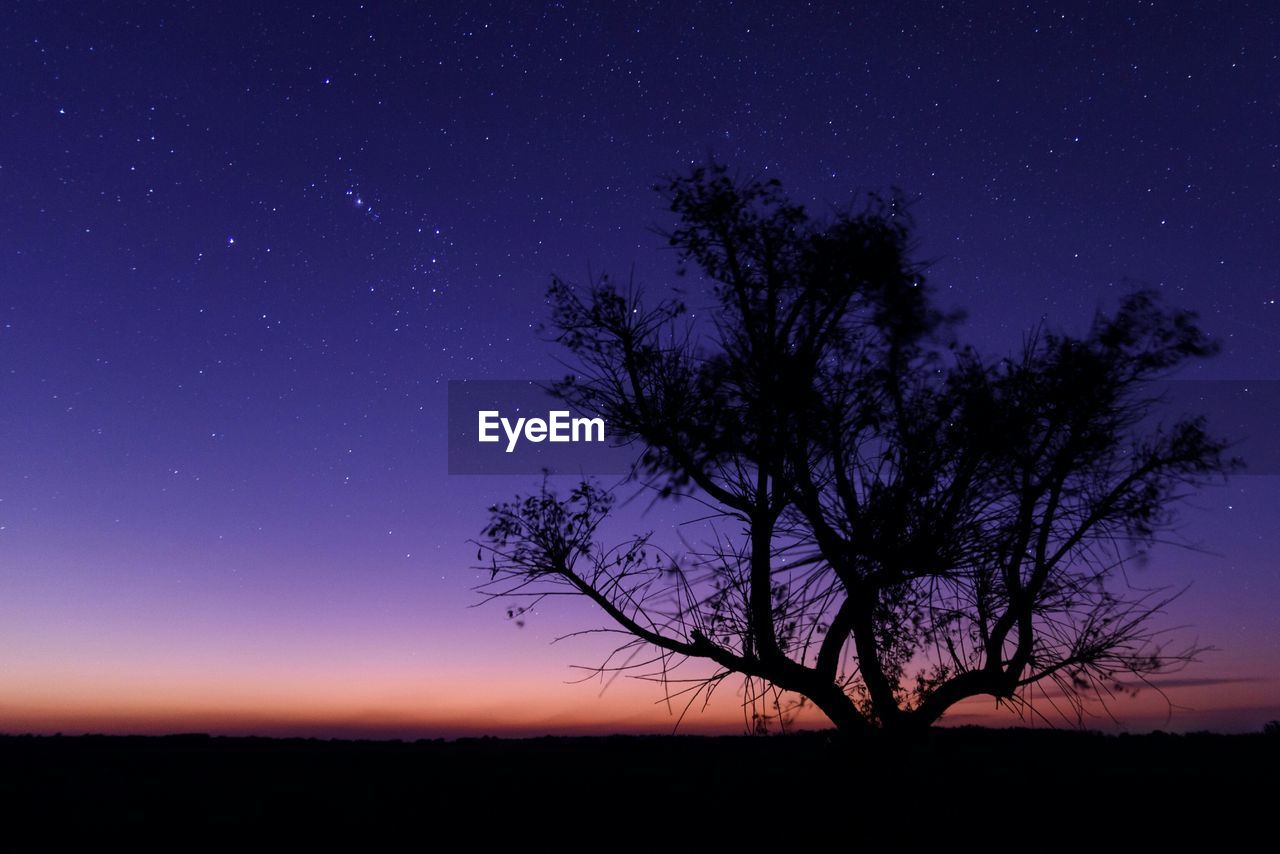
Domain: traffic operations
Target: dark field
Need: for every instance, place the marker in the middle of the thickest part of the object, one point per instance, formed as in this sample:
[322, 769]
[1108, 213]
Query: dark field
[946, 776]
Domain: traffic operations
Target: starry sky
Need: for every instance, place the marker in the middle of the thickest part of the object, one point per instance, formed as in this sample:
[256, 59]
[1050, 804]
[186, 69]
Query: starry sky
[244, 247]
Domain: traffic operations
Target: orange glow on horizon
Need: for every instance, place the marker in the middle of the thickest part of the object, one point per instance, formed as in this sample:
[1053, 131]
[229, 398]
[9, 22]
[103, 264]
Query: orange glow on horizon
[515, 708]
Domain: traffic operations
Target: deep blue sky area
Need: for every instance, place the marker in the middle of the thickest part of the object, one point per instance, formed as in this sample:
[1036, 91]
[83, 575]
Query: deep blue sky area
[243, 248]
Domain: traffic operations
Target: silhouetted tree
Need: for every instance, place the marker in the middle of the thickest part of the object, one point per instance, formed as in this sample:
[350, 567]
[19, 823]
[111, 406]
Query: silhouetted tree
[916, 524]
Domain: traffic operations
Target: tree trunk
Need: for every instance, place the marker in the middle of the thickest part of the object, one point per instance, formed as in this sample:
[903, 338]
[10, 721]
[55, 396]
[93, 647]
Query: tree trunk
[880, 691]
[840, 710]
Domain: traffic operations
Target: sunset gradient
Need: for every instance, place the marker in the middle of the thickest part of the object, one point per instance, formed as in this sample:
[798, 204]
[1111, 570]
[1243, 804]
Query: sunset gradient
[243, 250]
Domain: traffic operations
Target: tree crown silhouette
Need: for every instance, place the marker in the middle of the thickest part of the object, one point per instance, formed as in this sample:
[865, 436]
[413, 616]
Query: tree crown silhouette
[904, 523]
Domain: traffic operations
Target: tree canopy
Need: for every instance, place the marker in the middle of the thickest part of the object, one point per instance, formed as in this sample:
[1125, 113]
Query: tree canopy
[907, 521]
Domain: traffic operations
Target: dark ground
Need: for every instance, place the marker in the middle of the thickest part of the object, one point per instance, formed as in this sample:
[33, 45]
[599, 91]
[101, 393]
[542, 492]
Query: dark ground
[948, 778]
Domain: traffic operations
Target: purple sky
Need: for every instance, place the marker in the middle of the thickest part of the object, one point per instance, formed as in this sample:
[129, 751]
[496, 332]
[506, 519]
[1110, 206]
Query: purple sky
[243, 249]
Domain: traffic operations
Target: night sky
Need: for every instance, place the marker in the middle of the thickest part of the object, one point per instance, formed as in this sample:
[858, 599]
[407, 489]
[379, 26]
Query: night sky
[243, 249]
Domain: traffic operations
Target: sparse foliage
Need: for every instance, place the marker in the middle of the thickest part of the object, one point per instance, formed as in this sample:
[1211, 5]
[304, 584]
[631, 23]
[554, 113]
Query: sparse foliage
[904, 522]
